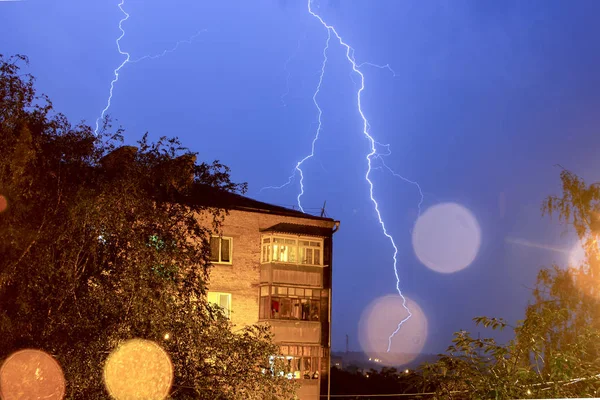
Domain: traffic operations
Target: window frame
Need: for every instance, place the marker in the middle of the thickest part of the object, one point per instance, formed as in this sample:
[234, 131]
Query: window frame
[267, 249]
[297, 355]
[317, 301]
[220, 249]
[219, 294]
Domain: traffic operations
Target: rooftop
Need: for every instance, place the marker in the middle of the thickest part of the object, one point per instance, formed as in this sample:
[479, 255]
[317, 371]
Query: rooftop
[204, 194]
[213, 197]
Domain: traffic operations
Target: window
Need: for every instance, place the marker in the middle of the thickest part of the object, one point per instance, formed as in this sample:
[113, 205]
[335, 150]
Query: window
[292, 250]
[222, 300]
[302, 362]
[310, 252]
[220, 249]
[293, 303]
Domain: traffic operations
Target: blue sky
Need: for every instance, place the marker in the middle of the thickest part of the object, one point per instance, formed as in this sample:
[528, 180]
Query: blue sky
[486, 98]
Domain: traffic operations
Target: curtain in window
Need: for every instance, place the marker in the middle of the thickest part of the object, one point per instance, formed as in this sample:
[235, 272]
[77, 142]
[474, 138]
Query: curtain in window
[214, 249]
[225, 250]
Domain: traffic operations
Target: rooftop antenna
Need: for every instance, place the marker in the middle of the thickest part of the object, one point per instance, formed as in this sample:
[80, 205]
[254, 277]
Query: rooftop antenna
[323, 209]
[346, 343]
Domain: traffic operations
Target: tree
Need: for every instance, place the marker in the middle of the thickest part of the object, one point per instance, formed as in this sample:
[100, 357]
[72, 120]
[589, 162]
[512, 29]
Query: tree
[351, 381]
[102, 242]
[555, 350]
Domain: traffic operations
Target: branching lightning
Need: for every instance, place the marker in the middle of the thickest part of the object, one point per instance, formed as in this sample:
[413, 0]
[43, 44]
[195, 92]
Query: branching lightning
[297, 169]
[397, 175]
[373, 154]
[288, 73]
[386, 66]
[165, 52]
[128, 59]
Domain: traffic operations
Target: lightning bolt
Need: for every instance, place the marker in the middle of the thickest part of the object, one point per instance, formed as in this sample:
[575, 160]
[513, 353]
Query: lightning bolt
[190, 40]
[297, 168]
[369, 157]
[289, 73]
[397, 175]
[116, 72]
[386, 66]
[128, 59]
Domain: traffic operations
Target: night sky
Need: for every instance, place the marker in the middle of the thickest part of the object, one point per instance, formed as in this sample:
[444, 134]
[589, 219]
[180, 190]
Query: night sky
[486, 97]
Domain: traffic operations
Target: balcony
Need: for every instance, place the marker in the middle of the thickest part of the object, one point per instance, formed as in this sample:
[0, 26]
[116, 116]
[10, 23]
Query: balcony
[294, 331]
[294, 274]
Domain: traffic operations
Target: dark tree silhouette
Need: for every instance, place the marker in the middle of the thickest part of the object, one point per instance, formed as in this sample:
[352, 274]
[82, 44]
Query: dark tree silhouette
[101, 242]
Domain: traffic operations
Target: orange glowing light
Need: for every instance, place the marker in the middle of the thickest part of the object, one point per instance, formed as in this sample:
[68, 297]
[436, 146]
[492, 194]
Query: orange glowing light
[31, 374]
[138, 370]
[3, 203]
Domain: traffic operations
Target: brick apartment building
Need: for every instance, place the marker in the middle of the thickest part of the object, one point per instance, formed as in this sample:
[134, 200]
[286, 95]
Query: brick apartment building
[273, 265]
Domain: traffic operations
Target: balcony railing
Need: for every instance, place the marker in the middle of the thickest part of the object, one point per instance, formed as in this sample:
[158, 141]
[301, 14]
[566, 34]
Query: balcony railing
[295, 331]
[294, 274]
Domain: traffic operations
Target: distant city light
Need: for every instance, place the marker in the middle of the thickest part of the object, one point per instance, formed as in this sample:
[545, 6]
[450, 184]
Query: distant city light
[406, 371]
[167, 336]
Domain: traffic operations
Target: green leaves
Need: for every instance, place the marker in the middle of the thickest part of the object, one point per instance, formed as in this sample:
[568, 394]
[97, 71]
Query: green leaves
[555, 350]
[494, 323]
[101, 243]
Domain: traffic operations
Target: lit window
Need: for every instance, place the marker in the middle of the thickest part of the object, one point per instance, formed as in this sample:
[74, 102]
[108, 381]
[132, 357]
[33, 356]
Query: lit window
[220, 249]
[284, 250]
[222, 300]
[302, 362]
[291, 250]
[293, 303]
[310, 252]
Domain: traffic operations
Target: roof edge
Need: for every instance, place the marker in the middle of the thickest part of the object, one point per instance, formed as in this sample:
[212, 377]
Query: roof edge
[288, 213]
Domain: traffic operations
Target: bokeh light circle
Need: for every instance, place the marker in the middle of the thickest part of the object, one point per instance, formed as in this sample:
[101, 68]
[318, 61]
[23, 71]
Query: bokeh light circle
[138, 370]
[446, 238]
[377, 322]
[3, 203]
[31, 374]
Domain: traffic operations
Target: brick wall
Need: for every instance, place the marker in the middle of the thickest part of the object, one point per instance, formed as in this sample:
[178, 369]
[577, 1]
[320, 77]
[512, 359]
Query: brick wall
[241, 277]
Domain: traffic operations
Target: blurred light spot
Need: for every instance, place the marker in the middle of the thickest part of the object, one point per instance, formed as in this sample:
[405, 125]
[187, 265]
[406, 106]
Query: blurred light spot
[380, 318]
[446, 238]
[138, 370]
[579, 266]
[31, 374]
[577, 255]
[167, 336]
[3, 203]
